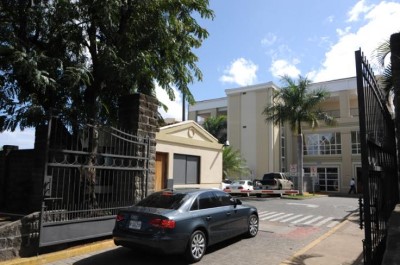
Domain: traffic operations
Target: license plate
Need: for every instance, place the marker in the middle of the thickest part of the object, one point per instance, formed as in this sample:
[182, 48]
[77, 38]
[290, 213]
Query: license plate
[135, 224]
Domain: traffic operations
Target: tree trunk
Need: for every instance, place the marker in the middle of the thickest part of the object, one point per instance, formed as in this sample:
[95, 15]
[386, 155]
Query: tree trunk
[300, 162]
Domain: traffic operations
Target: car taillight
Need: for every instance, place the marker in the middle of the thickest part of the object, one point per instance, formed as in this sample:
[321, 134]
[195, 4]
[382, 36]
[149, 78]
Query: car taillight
[240, 188]
[163, 223]
[120, 217]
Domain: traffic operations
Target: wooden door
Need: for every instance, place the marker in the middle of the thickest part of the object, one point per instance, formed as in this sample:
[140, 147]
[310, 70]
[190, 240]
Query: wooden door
[161, 171]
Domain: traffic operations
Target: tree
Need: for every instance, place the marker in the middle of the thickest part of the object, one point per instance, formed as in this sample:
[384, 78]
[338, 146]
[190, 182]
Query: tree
[217, 126]
[390, 76]
[77, 58]
[294, 104]
[233, 163]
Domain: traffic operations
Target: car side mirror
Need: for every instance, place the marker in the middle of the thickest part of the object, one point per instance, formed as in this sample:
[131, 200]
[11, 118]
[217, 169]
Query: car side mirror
[238, 202]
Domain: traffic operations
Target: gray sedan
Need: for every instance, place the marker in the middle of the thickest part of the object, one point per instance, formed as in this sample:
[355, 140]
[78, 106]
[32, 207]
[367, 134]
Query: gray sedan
[184, 221]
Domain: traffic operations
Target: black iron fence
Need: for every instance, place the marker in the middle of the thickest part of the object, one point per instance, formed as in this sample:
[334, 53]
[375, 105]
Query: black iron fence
[91, 173]
[379, 162]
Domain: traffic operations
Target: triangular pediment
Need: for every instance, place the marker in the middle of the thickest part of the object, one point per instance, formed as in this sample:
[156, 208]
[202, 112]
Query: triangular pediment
[185, 131]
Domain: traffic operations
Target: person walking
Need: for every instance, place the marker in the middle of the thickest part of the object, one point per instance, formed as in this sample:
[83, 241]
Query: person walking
[352, 186]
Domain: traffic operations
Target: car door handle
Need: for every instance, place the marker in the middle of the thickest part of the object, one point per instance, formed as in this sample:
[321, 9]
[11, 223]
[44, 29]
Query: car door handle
[208, 218]
[228, 214]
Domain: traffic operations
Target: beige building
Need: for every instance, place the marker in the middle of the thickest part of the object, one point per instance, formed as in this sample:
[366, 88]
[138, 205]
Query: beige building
[331, 154]
[187, 155]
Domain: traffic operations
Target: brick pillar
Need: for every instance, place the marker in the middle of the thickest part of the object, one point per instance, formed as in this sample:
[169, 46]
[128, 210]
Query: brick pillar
[138, 114]
[395, 60]
[38, 168]
[5, 173]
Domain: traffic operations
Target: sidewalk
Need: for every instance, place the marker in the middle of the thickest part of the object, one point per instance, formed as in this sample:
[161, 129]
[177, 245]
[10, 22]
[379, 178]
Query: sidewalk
[342, 245]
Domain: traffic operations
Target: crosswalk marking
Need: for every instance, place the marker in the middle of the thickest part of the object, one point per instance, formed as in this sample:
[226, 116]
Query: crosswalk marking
[291, 218]
[272, 216]
[298, 219]
[261, 216]
[313, 220]
[324, 221]
[302, 219]
[281, 217]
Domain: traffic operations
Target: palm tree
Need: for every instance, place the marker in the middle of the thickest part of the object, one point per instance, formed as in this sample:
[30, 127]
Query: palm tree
[391, 76]
[233, 164]
[295, 104]
[217, 126]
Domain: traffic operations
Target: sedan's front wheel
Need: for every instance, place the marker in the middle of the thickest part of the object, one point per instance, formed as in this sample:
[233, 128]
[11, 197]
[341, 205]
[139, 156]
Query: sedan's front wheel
[253, 226]
[196, 247]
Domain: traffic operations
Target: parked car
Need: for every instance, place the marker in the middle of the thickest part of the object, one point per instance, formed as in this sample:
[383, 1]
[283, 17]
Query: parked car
[225, 183]
[240, 186]
[184, 221]
[275, 181]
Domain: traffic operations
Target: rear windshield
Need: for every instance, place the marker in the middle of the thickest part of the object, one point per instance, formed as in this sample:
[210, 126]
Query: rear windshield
[164, 200]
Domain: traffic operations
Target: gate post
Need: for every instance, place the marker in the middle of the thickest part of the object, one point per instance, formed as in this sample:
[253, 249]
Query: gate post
[395, 60]
[138, 114]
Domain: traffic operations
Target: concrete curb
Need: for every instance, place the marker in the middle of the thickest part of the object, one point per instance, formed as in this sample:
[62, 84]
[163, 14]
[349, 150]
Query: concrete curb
[317, 241]
[63, 254]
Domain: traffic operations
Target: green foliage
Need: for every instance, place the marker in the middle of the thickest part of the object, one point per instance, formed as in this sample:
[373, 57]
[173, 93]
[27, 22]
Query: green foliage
[217, 126]
[77, 58]
[380, 54]
[294, 104]
[233, 164]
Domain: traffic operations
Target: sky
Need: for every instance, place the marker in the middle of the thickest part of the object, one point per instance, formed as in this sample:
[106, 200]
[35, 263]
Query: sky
[256, 41]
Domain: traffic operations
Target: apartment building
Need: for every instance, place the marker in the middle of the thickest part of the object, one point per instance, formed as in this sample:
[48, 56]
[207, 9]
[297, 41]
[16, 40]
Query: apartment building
[332, 155]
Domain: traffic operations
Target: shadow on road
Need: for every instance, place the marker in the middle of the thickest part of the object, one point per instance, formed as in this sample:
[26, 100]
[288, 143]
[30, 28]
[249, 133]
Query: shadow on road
[126, 256]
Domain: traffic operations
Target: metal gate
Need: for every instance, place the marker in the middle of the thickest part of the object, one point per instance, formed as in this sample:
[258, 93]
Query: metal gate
[91, 172]
[379, 163]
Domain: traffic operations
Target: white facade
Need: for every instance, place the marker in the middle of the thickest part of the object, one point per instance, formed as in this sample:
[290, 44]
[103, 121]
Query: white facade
[332, 152]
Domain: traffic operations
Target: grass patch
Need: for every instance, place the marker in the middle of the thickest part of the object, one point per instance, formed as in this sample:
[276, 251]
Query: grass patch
[306, 195]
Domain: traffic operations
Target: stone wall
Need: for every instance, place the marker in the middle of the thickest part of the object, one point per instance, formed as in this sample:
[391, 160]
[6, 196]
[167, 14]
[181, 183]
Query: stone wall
[20, 238]
[138, 114]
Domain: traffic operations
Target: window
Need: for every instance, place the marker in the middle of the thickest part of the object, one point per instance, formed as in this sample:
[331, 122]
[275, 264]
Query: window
[322, 144]
[328, 178]
[355, 143]
[207, 200]
[186, 169]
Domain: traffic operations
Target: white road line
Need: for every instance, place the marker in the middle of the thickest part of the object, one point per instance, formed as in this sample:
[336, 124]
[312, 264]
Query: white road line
[272, 216]
[323, 221]
[333, 224]
[291, 218]
[303, 204]
[281, 217]
[302, 219]
[265, 214]
[313, 220]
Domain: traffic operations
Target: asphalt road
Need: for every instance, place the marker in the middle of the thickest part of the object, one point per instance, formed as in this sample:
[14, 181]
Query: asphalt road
[286, 226]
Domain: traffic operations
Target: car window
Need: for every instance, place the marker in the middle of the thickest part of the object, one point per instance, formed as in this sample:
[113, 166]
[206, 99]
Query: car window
[207, 200]
[224, 199]
[164, 200]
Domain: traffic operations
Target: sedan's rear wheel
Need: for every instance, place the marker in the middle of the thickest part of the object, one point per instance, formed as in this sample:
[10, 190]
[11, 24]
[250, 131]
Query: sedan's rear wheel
[253, 226]
[196, 247]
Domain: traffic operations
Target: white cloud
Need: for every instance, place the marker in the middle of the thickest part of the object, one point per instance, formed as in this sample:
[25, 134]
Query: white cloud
[174, 107]
[269, 40]
[281, 67]
[23, 139]
[357, 10]
[241, 72]
[379, 23]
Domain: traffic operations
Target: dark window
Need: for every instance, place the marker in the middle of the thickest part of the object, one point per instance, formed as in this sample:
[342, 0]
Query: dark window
[224, 199]
[164, 199]
[207, 200]
[186, 169]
